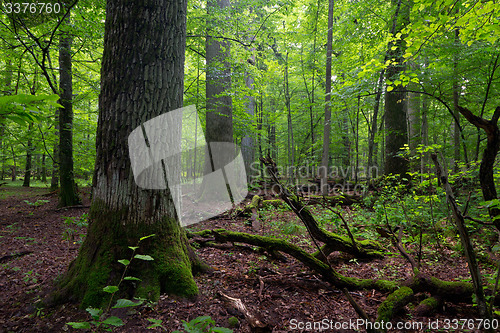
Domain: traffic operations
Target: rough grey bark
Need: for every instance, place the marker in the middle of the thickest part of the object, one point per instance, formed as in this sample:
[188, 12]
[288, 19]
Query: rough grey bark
[396, 135]
[328, 112]
[142, 78]
[68, 194]
[219, 119]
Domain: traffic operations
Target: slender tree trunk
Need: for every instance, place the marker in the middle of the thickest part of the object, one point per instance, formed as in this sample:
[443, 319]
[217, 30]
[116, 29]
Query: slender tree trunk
[136, 85]
[291, 143]
[54, 181]
[372, 148]
[44, 169]
[14, 167]
[68, 195]
[414, 121]
[29, 155]
[425, 160]
[328, 111]
[456, 94]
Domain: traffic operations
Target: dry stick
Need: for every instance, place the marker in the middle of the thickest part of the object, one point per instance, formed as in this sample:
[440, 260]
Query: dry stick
[470, 255]
[397, 243]
[274, 176]
[346, 226]
[359, 310]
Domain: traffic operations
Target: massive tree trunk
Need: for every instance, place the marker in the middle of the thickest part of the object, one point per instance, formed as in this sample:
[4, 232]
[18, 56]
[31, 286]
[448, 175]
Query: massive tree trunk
[68, 195]
[395, 100]
[142, 77]
[328, 111]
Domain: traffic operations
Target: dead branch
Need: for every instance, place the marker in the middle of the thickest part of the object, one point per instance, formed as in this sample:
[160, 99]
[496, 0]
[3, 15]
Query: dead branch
[362, 249]
[466, 242]
[256, 324]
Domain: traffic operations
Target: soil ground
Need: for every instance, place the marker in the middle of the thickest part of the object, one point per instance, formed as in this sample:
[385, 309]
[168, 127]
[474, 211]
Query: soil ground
[33, 253]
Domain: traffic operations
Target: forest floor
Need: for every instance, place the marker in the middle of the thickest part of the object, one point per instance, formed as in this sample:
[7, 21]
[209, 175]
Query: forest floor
[33, 252]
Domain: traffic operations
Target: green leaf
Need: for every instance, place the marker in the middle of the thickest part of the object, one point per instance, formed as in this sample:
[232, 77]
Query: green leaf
[131, 278]
[94, 313]
[125, 303]
[124, 262]
[390, 88]
[156, 323]
[146, 237]
[80, 325]
[143, 257]
[110, 289]
[221, 330]
[133, 248]
[114, 321]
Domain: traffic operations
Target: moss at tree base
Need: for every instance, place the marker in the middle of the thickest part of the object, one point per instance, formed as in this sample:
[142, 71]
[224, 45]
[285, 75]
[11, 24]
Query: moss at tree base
[108, 241]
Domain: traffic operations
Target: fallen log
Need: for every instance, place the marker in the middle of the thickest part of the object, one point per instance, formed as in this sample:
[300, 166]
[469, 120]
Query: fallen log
[453, 291]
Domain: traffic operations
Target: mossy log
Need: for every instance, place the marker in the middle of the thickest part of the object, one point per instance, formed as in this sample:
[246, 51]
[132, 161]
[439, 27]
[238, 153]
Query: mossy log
[428, 306]
[394, 303]
[453, 291]
[273, 244]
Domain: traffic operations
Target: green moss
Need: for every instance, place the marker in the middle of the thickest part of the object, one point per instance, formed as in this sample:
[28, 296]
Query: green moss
[108, 241]
[393, 303]
[233, 322]
[430, 302]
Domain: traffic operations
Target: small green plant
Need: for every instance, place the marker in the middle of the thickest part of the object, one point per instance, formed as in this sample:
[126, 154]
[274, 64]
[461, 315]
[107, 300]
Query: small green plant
[98, 314]
[69, 234]
[36, 204]
[203, 324]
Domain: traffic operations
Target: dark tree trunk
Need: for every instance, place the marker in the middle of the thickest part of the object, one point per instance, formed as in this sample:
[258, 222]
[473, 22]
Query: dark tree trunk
[396, 101]
[142, 77]
[14, 167]
[54, 181]
[489, 155]
[29, 156]
[68, 195]
[44, 169]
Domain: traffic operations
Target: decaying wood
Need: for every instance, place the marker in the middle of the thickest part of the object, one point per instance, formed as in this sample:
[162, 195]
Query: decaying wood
[489, 155]
[361, 249]
[464, 237]
[256, 324]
